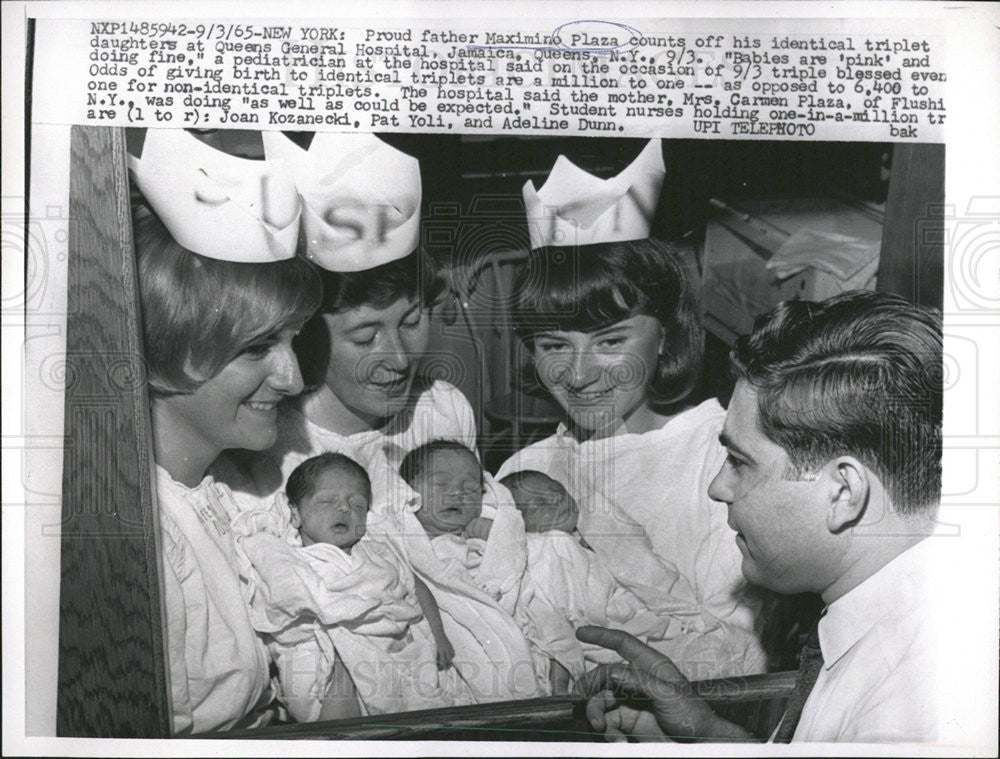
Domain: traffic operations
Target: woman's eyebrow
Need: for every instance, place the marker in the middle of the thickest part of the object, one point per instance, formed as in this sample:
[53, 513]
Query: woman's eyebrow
[611, 329]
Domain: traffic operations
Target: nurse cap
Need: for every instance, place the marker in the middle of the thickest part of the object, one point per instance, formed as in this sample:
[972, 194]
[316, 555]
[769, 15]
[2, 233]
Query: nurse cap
[574, 207]
[215, 204]
[360, 198]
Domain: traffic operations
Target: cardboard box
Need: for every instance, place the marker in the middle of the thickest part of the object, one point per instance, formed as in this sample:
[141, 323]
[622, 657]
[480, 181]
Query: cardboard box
[744, 235]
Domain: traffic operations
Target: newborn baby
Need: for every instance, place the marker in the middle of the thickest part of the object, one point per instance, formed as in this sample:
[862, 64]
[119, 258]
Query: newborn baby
[343, 592]
[543, 502]
[478, 580]
[566, 585]
[329, 500]
[449, 480]
[545, 506]
[328, 496]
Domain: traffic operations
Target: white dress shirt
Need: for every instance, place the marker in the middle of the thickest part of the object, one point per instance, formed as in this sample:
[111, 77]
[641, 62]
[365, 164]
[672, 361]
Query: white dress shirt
[878, 679]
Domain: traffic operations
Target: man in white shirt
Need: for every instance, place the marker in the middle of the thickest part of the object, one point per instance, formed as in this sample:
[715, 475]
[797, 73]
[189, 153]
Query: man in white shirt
[832, 482]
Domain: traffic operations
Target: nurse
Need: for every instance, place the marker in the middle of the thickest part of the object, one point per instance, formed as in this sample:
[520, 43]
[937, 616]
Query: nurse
[614, 331]
[222, 296]
[364, 397]
[360, 354]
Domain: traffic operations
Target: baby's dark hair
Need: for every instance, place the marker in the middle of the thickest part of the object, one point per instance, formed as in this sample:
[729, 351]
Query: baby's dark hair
[302, 482]
[416, 461]
[516, 480]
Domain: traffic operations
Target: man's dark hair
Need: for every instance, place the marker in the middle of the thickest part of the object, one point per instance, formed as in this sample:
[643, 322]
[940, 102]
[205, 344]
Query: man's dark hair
[302, 482]
[858, 374]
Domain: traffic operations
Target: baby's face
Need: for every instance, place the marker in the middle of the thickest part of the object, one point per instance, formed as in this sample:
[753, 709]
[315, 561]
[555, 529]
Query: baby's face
[336, 510]
[451, 492]
[545, 504]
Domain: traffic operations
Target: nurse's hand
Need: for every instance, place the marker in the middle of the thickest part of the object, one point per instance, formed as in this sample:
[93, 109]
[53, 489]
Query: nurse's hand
[612, 716]
[646, 697]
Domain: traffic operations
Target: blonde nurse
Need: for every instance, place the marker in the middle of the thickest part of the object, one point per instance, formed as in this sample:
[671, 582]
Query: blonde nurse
[222, 296]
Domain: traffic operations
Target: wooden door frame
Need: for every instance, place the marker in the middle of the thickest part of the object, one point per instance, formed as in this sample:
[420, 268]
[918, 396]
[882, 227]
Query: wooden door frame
[112, 678]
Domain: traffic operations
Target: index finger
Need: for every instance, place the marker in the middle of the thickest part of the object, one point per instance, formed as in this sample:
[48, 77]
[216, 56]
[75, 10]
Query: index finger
[630, 648]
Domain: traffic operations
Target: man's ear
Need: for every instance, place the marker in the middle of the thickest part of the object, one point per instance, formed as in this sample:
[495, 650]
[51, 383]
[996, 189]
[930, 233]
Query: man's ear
[849, 491]
[294, 520]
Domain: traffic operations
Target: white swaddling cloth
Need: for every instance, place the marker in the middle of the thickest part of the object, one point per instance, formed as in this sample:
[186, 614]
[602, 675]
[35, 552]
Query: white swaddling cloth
[643, 497]
[567, 586]
[491, 653]
[623, 549]
[317, 599]
[497, 564]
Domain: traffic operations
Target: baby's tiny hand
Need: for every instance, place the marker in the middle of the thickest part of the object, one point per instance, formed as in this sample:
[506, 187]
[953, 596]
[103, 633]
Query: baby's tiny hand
[445, 652]
[478, 528]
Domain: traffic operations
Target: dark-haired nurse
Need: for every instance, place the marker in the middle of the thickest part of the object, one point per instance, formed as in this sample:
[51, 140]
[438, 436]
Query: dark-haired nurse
[360, 355]
[615, 335]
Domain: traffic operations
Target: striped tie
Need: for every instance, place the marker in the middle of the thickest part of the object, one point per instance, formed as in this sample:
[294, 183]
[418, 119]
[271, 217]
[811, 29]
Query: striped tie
[810, 664]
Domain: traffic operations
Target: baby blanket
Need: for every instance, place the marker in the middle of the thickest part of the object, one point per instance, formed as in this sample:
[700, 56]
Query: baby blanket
[319, 599]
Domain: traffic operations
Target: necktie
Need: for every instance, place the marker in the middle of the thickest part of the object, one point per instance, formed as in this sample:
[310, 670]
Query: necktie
[810, 664]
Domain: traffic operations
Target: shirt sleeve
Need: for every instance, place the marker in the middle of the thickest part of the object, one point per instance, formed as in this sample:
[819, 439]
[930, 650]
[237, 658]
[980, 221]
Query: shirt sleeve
[441, 411]
[176, 612]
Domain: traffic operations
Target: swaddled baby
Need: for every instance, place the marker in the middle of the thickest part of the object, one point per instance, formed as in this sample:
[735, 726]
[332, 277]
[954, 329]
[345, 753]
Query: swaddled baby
[546, 508]
[343, 594]
[477, 579]
[449, 480]
[566, 584]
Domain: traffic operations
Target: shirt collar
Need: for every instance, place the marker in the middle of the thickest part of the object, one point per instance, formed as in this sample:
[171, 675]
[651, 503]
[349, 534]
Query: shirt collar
[851, 616]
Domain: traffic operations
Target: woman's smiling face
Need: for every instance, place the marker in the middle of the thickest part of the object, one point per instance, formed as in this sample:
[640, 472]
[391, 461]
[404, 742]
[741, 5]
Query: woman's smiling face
[238, 407]
[374, 353]
[601, 378]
